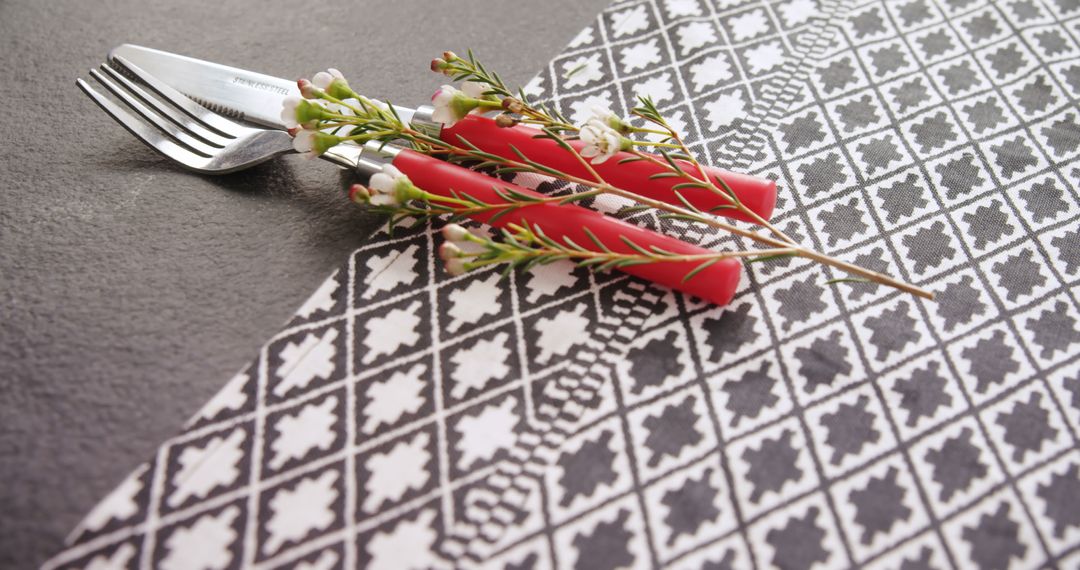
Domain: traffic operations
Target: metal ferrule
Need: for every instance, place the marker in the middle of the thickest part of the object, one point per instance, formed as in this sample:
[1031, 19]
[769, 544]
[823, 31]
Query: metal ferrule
[423, 122]
[364, 160]
[373, 157]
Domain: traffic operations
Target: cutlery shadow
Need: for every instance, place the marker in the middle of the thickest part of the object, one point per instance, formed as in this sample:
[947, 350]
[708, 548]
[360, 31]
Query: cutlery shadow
[318, 189]
[313, 186]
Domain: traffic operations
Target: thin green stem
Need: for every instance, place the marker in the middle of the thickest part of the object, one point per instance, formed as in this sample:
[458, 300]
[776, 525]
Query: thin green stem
[655, 144]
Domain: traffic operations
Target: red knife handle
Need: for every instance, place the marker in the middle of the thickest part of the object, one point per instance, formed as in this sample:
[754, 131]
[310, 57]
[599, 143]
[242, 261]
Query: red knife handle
[716, 283]
[758, 194]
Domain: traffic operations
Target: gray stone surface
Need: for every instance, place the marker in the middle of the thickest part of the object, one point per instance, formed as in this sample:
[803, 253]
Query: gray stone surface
[130, 290]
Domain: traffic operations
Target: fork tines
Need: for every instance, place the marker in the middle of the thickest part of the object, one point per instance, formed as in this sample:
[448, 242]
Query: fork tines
[177, 127]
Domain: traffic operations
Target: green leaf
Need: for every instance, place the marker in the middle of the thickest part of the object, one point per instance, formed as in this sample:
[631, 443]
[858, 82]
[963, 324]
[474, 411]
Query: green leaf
[687, 203]
[574, 71]
[466, 142]
[727, 189]
[634, 246]
[506, 272]
[608, 265]
[848, 280]
[498, 215]
[470, 198]
[683, 185]
[631, 262]
[595, 240]
[701, 267]
[684, 217]
[769, 257]
[575, 198]
[573, 244]
[511, 169]
[631, 210]
[671, 161]
[592, 261]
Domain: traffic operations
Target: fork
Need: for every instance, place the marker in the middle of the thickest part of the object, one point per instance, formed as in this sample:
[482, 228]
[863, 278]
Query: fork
[179, 128]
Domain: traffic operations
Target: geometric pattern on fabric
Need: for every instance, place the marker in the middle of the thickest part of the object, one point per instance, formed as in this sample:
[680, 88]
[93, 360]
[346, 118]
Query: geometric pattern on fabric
[409, 419]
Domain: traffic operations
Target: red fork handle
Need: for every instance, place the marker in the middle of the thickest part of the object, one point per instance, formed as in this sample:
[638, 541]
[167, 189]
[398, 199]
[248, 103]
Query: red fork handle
[716, 283]
[758, 194]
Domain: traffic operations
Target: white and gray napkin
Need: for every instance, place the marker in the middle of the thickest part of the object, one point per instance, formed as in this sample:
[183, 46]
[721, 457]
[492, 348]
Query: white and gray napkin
[408, 419]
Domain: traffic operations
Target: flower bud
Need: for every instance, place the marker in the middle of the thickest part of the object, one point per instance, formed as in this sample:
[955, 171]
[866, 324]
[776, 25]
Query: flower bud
[449, 56]
[448, 251]
[505, 120]
[333, 82]
[359, 194]
[455, 233]
[456, 266]
[513, 105]
[308, 90]
[438, 65]
[302, 113]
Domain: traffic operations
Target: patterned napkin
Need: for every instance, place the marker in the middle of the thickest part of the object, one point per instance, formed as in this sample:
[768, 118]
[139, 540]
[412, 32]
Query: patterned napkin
[407, 419]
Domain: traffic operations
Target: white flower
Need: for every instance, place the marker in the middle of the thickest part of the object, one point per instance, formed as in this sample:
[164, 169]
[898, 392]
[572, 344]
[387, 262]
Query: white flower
[451, 104]
[304, 142]
[474, 89]
[298, 112]
[446, 111]
[601, 141]
[313, 143]
[288, 111]
[385, 185]
[609, 118]
[323, 79]
[602, 113]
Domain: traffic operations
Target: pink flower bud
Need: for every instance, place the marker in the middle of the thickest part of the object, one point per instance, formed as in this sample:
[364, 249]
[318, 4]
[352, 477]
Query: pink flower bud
[513, 105]
[359, 194]
[307, 89]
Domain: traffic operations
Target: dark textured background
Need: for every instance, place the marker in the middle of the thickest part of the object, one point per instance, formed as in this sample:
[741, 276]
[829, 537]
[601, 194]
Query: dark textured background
[131, 290]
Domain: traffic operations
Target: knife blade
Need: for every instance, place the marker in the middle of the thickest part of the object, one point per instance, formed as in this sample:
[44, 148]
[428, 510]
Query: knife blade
[239, 93]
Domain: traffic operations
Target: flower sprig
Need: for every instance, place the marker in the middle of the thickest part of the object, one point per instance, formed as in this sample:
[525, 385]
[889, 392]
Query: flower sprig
[515, 102]
[392, 193]
[600, 140]
[471, 71]
[329, 112]
[525, 246]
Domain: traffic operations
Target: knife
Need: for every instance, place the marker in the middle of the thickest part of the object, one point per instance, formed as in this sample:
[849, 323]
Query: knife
[231, 91]
[258, 98]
